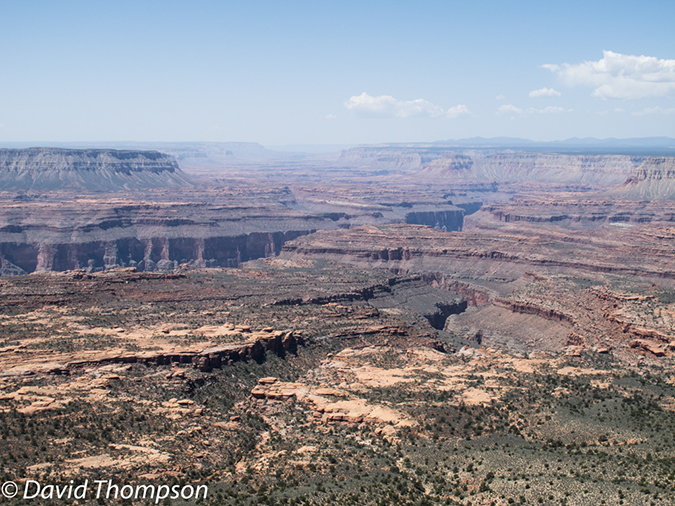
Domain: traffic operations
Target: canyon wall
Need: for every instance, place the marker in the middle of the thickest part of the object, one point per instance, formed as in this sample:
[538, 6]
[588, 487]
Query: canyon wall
[499, 255]
[448, 221]
[87, 169]
[442, 164]
[390, 158]
[150, 254]
[39, 234]
[60, 236]
[539, 167]
[653, 180]
[576, 213]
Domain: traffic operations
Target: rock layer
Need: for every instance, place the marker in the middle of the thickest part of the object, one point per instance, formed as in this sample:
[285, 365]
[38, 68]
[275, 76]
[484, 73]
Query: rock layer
[219, 228]
[87, 169]
[574, 212]
[539, 167]
[653, 180]
[38, 236]
[502, 255]
[442, 163]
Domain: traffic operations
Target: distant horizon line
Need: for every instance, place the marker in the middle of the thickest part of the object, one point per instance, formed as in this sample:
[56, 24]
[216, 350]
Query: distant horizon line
[502, 142]
[476, 137]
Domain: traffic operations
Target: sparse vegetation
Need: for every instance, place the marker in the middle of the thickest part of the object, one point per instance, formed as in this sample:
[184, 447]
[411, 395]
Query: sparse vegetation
[476, 427]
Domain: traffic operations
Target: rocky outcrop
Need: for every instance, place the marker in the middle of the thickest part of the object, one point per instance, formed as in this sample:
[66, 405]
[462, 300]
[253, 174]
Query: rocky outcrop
[448, 221]
[505, 255]
[87, 169]
[530, 308]
[389, 158]
[655, 348]
[538, 167]
[330, 405]
[36, 236]
[411, 293]
[206, 360]
[653, 180]
[575, 212]
[456, 164]
[474, 295]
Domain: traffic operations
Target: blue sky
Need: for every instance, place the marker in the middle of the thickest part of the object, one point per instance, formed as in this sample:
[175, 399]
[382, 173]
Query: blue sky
[304, 72]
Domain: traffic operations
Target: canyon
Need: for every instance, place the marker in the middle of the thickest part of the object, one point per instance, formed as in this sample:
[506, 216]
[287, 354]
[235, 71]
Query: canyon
[160, 227]
[408, 324]
[97, 234]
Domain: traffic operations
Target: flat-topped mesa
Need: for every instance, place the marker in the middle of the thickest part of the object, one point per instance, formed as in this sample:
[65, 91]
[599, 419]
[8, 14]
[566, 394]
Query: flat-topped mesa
[389, 158]
[457, 164]
[653, 180]
[537, 167]
[87, 169]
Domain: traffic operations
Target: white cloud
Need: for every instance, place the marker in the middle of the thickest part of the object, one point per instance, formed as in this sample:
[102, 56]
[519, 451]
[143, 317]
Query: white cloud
[547, 110]
[331, 116]
[386, 106]
[500, 97]
[545, 92]
[513, 110]
[621, 76]
[458, 111]
[509, 109]
[655, 110]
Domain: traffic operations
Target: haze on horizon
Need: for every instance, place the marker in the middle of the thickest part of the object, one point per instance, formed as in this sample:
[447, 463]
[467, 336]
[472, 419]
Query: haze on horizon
[303, 72]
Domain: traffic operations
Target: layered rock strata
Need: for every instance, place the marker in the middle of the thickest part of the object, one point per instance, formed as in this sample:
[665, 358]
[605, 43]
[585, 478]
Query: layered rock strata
[87, 169]
[207, 359]
[441, 163]
[540, 167]
[574, 212]
[149, 236]
[501, 255]
[41, 234]
[653, 180]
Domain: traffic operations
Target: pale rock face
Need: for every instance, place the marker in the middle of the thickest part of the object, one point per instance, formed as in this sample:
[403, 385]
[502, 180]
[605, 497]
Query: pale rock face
[653, 180]
[538, 167]
[447, 164]
[87, 169]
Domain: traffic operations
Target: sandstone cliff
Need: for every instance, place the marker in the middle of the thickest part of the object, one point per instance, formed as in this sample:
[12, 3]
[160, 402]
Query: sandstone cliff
[392, 158]
[504, 254]
[574, 212]
[97, 235]
[539, 167]
[452, 164]
[653, 180]
[87, 169]
[221, 227]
